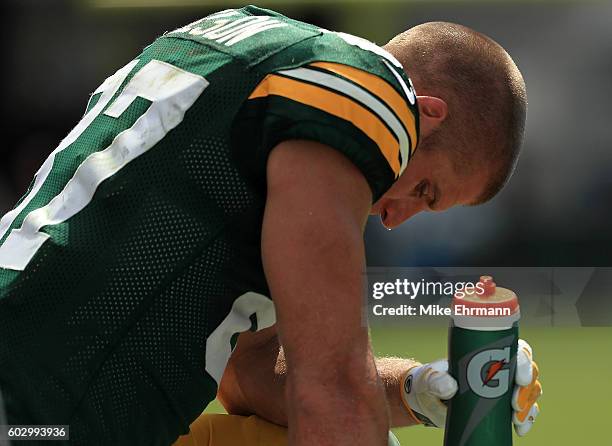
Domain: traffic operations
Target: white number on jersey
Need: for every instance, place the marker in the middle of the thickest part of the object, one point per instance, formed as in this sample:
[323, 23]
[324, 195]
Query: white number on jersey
[172, 92]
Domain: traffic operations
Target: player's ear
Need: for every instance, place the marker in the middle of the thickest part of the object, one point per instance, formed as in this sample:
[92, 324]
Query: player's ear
[432, 112]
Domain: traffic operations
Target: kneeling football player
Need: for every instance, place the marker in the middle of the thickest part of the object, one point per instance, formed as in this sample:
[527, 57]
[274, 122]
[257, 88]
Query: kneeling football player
[219, 184]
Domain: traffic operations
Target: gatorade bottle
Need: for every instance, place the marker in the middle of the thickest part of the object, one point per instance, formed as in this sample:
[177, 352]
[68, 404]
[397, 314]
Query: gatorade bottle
[483, 339]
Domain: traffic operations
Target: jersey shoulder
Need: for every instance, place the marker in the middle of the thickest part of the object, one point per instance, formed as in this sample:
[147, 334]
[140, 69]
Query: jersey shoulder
[347, 93]
[306, 82]
[250, 34]
[362, 72]
[357, 52]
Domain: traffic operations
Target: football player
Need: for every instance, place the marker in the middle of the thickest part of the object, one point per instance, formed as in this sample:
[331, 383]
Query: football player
[219, 184]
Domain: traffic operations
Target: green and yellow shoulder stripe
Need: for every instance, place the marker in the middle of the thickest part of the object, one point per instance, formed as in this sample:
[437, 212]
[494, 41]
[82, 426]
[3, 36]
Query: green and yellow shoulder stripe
[363, 106]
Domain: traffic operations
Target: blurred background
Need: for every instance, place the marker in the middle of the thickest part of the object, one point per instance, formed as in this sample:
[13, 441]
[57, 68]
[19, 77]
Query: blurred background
[556, 210]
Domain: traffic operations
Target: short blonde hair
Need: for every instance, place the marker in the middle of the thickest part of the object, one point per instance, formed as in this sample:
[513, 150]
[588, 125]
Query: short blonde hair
[484, 90]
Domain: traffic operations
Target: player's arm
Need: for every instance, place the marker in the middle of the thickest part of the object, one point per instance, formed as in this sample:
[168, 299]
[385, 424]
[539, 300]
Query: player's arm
[367, 126]
[255, 377]
[313, 256]
[254, 383]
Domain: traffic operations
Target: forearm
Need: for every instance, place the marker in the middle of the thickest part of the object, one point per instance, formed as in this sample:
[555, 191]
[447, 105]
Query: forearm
[391, 371]
[348, 404]
[261, 390]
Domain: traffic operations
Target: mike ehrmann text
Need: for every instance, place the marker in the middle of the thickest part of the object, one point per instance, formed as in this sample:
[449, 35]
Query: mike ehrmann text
[437, 310]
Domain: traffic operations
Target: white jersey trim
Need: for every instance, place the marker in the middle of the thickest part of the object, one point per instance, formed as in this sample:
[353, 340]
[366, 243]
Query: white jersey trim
[360, 95]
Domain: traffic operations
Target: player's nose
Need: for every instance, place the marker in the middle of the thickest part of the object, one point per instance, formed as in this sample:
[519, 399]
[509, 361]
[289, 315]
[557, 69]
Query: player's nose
[397, 212]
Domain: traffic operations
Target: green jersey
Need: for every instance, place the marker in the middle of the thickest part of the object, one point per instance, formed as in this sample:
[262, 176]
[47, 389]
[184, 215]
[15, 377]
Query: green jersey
[133, 261]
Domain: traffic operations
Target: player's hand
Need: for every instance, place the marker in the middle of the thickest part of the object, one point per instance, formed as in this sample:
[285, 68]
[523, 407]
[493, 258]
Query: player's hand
[527, 390]
[427, 386]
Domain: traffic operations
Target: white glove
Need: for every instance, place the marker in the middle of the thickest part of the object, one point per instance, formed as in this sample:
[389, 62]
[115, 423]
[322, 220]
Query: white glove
[425, 386]
[527, 390]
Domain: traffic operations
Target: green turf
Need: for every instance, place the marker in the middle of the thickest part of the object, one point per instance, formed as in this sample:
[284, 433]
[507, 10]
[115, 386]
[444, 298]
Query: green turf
[575, 369]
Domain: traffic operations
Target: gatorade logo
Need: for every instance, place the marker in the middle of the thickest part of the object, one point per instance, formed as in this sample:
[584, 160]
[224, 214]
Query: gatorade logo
[488, 373]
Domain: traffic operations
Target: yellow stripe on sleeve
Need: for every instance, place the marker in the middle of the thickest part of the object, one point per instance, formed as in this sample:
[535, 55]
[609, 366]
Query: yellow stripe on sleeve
[380, 88]
[337, 105]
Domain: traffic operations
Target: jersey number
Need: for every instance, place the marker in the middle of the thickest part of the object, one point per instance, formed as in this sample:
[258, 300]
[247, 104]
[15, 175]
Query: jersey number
[171, 90]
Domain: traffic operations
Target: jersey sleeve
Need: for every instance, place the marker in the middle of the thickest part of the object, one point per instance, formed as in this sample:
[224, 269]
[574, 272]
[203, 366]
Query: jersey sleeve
[364, 115]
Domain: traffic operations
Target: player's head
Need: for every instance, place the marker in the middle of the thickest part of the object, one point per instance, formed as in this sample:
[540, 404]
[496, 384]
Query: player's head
[472, 108]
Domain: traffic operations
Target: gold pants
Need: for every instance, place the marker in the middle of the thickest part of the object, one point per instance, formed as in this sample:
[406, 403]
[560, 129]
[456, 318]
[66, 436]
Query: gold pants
[233, 430]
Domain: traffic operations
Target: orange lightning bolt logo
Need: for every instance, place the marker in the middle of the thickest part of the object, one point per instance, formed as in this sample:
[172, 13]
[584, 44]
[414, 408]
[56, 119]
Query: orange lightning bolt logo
[493, 369]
